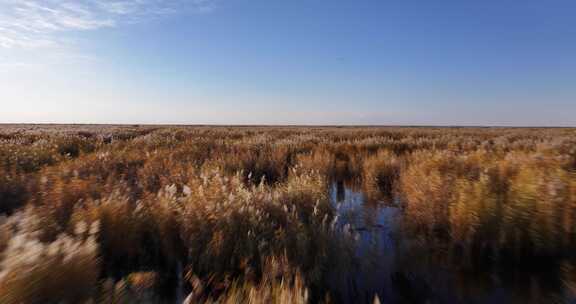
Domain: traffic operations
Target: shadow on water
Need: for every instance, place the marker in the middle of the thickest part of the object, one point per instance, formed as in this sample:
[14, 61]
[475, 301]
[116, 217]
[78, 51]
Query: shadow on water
[400, 270]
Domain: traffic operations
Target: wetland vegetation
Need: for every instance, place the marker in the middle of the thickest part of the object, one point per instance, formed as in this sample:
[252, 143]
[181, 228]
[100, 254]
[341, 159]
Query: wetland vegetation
[172, 214]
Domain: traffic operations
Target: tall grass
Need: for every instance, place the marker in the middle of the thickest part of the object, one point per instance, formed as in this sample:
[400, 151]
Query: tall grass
[244, 213]
[517, 205]
[381, 173]
[31, 271]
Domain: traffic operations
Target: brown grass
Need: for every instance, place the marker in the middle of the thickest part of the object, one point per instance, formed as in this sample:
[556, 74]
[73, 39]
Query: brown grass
[228, 205]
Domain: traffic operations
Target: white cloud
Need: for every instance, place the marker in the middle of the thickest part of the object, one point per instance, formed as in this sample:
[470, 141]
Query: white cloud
[38, 23]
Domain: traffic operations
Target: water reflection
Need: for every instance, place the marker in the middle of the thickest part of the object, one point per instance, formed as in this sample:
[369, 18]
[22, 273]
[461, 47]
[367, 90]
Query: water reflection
[401, 270]
[375, 227]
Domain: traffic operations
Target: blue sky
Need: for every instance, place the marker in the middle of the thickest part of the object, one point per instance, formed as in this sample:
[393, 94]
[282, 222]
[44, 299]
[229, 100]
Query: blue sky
[288, 62]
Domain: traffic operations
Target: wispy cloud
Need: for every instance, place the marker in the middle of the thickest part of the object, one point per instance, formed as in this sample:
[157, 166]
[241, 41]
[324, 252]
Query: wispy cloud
[39, 23]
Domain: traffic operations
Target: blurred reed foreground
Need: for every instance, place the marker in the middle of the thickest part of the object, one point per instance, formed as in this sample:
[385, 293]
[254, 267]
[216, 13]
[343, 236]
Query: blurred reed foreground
[119, 214]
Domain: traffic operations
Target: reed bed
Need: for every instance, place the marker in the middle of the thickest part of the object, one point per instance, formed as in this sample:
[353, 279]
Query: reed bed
[242, 214]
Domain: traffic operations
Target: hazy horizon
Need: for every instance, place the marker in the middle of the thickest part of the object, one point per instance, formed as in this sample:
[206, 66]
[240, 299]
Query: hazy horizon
[240, 62]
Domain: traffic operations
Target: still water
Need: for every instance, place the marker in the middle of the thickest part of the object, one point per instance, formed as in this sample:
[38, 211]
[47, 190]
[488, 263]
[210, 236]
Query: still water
[400, 270]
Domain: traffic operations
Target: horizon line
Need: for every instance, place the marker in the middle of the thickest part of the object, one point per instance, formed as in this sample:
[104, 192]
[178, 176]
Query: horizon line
[291, 125]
